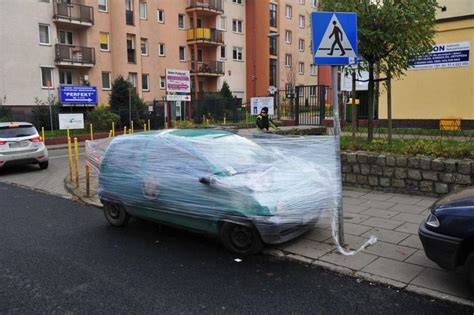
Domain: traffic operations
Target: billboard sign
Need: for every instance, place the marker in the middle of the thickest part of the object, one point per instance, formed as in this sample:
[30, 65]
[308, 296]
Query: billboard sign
[178, 98]
[257, 103]
[444, 56]
[78, 94]
[71, 121]
[178, 81]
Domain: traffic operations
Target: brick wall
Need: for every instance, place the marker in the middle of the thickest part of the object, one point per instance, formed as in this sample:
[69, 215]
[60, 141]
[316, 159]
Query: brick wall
[406, 174]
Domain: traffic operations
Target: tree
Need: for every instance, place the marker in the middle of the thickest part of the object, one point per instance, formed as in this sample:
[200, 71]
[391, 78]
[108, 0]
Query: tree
[390, 34]
[120, 100]
[225, 91]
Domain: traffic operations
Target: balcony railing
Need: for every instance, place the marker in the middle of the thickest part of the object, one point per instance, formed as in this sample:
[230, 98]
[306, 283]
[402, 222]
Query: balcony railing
[207, 67]
[206, 35]
[74, 13]
[129, 17]
[208, 5]
[75, 55]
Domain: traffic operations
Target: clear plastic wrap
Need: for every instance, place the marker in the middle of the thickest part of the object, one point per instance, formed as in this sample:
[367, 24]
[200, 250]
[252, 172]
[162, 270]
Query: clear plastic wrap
[201, 178]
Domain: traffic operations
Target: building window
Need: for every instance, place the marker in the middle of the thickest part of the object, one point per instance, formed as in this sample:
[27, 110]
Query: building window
[222, 23]
[132, 78]
[288, 37]
[314, 3]
[237, 1]
[223, 52]
[131, 48]
[162, 83]
[181, 22]
[145, 82]
[273, 46]
[106, 80]
[102, 5]
[301, 1]
[237, 26]
[47, 77]
[288, 60]
[289, 11]
[65, 38]
[312, 69]
[301, 68]
[273, 15]
[143, 13]
[237, 53]
[104, 41]
[44, 35]
[160, 16]
[182, 53]
[301, 44]
[129, 19]
[161, 50]
[144, 46]
[273, 72]
[301, 21]
[65, 77]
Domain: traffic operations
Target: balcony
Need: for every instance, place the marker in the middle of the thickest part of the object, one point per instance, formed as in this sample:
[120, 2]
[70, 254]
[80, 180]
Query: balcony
[205, 36]
[129, 17]
[205, 7]
[73, 14]
[76, 56]
[210, 68]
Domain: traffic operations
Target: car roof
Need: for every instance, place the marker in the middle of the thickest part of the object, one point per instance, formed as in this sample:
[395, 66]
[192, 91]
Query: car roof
[21, 123]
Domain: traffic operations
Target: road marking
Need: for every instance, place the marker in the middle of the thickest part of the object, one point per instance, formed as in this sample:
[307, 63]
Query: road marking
[61, 156]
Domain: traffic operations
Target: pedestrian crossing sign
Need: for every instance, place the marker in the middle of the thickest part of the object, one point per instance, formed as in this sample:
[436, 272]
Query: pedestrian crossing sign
[334, 38]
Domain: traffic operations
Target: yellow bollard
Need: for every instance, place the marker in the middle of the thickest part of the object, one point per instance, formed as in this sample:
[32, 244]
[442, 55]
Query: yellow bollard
[125, 130]
[113, 129]
[88, 183]
[144, 127]
[110, 133]
[69, 154]
[149, 125]
[42, 135]
[92, 132]
[76, 160]
[131, 126]
[224, 119]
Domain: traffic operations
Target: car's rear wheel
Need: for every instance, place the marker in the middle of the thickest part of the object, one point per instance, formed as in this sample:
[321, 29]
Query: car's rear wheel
[116, 214]
[43, 165]
[470, 268]
[242, 239]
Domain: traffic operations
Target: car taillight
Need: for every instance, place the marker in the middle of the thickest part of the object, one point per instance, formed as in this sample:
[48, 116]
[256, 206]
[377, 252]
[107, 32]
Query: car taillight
[35, 139]
[2, 142]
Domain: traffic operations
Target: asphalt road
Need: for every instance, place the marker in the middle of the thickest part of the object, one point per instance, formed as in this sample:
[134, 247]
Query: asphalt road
[58, 256]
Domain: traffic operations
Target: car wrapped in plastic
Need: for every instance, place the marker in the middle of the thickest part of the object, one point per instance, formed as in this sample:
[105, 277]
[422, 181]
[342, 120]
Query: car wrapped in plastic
[246, 191]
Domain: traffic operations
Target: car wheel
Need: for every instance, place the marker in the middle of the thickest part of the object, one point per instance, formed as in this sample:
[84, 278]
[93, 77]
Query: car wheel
[242, 239]
[116, 214]
[470, 268]
[43, 165]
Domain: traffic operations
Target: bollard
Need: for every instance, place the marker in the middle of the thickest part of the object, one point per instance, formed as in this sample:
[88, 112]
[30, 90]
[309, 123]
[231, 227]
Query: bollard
[42, 135]
[92, 132]
[110, 134]
[224, 119]
[131, 126]
[144, 127]
[88, 183]
[113, 129]
[69, 154]
[125, 130]
[149, 126]
[76, 160]
[67, 133]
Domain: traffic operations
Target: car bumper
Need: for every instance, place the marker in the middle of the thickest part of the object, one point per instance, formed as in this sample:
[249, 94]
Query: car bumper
[441, 249]
[33, 156]
[274, 230]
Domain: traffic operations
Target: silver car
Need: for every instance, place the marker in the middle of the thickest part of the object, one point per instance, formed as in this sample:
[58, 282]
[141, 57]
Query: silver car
[20, 143]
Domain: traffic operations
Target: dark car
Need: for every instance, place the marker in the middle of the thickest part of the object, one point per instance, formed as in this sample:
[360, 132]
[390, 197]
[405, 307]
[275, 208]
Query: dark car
[447, 233]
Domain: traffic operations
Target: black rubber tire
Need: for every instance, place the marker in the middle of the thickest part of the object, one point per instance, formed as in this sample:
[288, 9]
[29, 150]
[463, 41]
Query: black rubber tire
[116, 214]
[43, 165]
[242, 239]
[470, 268]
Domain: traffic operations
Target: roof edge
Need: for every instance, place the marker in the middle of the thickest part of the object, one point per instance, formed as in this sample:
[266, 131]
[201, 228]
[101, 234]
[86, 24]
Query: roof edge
[455, 18]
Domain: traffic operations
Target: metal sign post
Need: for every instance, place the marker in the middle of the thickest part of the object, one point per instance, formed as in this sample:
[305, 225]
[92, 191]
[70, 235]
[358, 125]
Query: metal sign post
[335, 44]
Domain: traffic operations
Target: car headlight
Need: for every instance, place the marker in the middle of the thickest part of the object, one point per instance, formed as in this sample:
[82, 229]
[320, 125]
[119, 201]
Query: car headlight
[432, 221]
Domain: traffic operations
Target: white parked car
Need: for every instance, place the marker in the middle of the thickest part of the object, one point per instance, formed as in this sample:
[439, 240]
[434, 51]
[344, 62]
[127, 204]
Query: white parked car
[20, 143]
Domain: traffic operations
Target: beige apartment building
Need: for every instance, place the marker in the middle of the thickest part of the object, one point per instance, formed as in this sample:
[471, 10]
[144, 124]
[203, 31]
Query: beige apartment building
[92, 42]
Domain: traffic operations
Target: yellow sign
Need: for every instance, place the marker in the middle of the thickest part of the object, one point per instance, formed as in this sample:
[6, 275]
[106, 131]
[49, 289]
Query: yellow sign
[349, 101]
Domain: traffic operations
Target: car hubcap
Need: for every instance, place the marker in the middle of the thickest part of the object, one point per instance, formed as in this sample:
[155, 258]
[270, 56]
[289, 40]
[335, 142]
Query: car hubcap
[241, 237]
[114, 212]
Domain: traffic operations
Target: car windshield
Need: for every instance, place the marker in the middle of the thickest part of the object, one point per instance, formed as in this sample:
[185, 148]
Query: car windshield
[16, 132]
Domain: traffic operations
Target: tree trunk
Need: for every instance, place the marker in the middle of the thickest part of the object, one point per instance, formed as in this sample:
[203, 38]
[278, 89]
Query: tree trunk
[389, 106]
[370, 114]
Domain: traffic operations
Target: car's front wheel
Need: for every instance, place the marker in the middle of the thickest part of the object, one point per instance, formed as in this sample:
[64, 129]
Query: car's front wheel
[43, 165]
[242, 239]
[470, 268]
[116, 214]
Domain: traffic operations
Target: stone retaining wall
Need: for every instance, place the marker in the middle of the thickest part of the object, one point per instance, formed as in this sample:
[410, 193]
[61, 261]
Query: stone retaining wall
[406, 174]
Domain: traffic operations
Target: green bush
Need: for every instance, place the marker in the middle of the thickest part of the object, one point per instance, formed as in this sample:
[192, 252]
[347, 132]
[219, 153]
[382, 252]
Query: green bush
[101, 119]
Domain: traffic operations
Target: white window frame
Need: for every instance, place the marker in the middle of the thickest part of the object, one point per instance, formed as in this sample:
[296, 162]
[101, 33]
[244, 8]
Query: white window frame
[108, 42]
[288, 60]
[301, 44]
[301, 21]
[134, 81]
[225, 52]
[314, 3]
[288, 36]
[302, 2]
[147, 76]
[162, 83]
[161, 45]
[61, 76]
[66, 37]
[110, 80]
[288, 11]
[312, 69]
[222, 20]
[146, 46]
[239, 26]
[162, 21]
[184, 21]
[184, 53]
[106, 5]
[238, 49]
[237, 2]
[49, 34]
[51, 69]
[301, 68]
[143, 4]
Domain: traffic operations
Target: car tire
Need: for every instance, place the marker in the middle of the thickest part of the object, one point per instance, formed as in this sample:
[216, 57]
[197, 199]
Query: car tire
[470, 269]
[241, 238]
[43, 165]
[116, 214]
